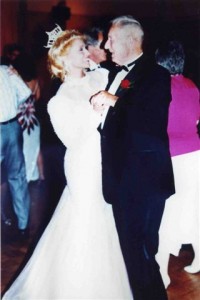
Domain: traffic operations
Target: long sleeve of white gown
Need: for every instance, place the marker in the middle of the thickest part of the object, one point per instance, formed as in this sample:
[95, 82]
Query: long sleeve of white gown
[70, 111]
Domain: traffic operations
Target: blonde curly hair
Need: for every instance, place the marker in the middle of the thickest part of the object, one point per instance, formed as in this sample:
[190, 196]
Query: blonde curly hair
[59, 49]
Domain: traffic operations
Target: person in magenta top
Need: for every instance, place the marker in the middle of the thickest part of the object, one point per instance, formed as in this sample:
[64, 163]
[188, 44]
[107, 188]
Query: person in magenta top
[184, 113]
[180, 223]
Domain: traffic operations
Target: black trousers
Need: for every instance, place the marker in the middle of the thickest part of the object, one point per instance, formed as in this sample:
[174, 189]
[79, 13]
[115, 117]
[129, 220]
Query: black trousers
[138, 223]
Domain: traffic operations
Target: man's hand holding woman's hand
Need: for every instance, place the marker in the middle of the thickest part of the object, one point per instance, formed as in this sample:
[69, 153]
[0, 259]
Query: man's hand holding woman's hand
[102, 99]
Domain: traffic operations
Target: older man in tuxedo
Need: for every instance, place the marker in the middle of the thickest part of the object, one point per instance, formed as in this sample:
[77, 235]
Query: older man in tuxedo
[136, 164]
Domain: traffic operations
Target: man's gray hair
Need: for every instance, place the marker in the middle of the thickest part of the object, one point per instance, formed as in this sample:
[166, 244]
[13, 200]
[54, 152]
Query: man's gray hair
[129, 22]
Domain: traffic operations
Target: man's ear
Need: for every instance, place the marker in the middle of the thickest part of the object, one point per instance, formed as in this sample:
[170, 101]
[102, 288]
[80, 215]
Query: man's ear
[132, 39]
[129, 40]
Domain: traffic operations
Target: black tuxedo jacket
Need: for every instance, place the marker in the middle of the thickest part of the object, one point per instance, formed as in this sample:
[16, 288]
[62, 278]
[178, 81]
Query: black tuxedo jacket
[135, 150]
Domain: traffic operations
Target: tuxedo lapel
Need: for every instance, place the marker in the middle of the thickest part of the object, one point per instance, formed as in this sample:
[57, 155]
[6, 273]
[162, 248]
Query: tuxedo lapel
[130, 81]
[133, 77]
[114, 70]
[111, 77]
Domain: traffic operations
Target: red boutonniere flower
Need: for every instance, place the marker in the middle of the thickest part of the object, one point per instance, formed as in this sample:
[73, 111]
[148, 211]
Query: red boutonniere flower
[126, 84]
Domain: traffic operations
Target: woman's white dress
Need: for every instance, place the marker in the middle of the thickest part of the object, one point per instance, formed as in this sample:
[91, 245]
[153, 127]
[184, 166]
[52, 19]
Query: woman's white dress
[78, 256]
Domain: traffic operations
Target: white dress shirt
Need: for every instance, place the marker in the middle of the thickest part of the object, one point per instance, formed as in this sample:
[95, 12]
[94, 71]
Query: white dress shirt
[114, 86]
[13, 92]
[93, 66]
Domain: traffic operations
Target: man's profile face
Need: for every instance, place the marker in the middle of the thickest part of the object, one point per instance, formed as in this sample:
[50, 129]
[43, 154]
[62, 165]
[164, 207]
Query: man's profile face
[118, 44]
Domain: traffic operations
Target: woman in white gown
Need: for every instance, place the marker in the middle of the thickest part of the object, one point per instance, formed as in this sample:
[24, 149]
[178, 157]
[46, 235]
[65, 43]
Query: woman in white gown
[78, 256]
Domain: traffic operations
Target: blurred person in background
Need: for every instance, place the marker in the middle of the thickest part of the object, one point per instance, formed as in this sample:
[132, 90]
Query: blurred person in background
[181, 219]
[13, 92]
[25, 66]
[95, 44]
[10, 53]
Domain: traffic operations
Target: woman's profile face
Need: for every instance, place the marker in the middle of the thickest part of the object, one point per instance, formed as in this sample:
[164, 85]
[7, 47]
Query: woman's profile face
[78, 55]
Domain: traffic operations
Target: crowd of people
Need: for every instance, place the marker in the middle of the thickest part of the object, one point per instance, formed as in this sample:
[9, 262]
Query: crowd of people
[129, 124]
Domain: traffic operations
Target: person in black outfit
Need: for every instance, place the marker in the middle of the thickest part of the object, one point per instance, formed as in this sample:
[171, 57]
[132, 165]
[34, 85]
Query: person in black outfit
[136, 163]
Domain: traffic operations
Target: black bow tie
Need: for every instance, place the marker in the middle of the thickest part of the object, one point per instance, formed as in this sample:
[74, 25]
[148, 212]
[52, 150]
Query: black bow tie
[120, 68]
[113, 72]
[125, 68]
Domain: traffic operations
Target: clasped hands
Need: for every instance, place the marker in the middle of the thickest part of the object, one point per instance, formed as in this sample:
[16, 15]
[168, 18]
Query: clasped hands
[101, 100]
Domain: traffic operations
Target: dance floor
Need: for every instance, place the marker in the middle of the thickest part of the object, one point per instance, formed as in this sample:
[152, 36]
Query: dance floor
[184, 286]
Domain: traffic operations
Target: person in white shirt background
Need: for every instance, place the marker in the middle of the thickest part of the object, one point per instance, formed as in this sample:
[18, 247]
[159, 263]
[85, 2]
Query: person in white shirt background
[99, 56]
[13, 92]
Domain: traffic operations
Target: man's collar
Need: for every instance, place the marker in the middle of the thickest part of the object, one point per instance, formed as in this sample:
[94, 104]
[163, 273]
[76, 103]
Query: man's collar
[131, 63]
